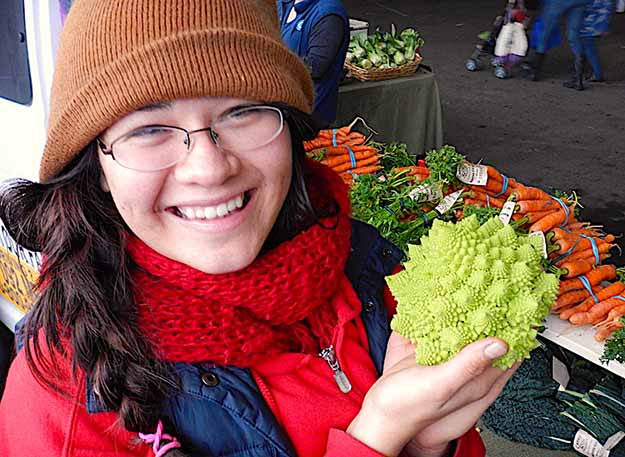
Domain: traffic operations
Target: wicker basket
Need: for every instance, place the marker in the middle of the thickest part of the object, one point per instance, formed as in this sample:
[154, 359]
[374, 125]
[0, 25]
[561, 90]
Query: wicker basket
[377, 74]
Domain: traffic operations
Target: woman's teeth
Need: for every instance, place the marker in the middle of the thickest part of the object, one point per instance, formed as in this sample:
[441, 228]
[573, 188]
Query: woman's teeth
[212, 212]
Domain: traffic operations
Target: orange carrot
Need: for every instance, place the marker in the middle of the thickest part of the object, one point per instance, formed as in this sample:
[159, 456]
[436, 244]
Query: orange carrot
[534, 217]
[490, 201]
[316, 143]
[559, 234]
[577, 226]
[594, 277]
[335, 160]
[589, 257]
[579, 267]
[605, 332]
[573, 297]
[359, 163]
[581, 243]
[609, 292]
[365, 170]
[548, 222]
[614, 315]
[602, 249]
[494, 174]
[413, 170]
[342, 150]
[532, 206]
[601, 273]
[493, 187]
[600, 309]
[529, 193]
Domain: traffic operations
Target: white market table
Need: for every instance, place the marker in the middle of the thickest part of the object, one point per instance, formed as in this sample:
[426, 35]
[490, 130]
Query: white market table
[579, 340]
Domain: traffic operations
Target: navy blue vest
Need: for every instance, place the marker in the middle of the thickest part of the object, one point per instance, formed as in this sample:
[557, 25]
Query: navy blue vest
[296, 35]
[220, 411]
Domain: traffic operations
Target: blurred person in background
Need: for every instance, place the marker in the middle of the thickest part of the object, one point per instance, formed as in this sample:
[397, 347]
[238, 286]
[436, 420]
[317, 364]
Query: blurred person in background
[318, 32]
[553, 11]
[596, 23]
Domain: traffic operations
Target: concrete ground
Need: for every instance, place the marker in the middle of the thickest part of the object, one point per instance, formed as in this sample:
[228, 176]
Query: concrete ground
[538, 132]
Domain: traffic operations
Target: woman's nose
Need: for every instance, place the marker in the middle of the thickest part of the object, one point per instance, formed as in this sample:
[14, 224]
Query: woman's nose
[205, 163]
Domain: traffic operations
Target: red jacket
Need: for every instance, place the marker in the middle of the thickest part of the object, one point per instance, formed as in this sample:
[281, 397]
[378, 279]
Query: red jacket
[299, 388]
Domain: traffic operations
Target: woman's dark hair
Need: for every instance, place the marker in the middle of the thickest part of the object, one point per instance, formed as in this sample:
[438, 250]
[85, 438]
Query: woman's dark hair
[85, 286]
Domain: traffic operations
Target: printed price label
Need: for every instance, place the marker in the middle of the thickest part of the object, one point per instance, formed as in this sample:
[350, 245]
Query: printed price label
[425, 193]
[469, 173]
[448, 202]
[585, 444]
[506, 212]
[559, 372]
[541, 235]
[613, 440]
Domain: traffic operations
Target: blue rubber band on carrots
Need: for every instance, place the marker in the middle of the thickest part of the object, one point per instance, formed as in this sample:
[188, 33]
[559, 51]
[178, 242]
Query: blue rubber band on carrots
[595, 250]
[567, 212]
[588, 287]
[504, 188]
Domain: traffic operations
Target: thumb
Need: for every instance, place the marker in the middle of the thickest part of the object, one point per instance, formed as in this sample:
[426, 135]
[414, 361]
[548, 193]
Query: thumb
[471, 362]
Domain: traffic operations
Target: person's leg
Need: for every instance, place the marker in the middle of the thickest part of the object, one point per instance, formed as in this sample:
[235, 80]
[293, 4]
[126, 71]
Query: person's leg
[591, 54]
[550, 14]
[574, 22]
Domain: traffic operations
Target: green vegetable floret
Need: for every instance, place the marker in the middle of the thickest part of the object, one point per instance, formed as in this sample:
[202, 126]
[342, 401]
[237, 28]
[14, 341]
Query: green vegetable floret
[468, 281]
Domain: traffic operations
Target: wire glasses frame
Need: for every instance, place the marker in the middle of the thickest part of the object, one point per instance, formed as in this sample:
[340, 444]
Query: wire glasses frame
[157, 147]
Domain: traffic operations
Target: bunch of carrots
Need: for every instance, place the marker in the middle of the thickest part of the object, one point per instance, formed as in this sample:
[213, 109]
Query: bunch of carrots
[345, 151]
[593, 299]
[589, 292]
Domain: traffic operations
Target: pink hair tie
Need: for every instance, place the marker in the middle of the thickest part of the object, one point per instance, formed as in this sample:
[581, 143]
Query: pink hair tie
[155, 440]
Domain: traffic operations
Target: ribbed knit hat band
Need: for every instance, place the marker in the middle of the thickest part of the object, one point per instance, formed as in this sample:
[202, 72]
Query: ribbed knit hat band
[116, 56]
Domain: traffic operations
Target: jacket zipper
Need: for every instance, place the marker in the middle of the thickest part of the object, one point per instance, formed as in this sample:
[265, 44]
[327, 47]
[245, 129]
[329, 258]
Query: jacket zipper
[340, 377]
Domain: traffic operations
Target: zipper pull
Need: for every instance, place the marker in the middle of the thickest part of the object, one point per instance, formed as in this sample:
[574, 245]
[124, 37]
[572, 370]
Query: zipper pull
[339, 375]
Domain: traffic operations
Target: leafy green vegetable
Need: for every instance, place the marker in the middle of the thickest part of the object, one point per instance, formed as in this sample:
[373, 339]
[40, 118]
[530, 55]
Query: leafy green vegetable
[387, 206]
[384, 50]
[468, 281]
[394, 155]
[482, 213]
[615, 346]
[443, 164]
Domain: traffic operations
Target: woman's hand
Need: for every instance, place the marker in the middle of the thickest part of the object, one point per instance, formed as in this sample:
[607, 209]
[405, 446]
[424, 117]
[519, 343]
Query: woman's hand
[424, 408]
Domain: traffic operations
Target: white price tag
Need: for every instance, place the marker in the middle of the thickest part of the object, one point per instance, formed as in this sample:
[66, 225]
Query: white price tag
[585, 444]
[613, 441]
[469, 173]
[425, 193]
[559, 372]
[448, 202]
[541, 235]
[506, 212]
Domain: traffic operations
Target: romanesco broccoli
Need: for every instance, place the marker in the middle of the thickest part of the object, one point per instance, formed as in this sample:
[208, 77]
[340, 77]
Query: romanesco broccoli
[465, 282]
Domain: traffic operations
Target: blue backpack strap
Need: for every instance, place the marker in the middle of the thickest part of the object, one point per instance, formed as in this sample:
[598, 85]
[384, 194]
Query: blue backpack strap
[371, 259]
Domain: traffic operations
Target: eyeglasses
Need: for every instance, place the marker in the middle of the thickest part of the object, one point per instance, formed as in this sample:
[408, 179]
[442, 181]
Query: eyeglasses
[157, 147]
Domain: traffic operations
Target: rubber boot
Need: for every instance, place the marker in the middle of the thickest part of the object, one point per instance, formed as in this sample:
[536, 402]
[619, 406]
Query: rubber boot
[577, 78]
[530, 69]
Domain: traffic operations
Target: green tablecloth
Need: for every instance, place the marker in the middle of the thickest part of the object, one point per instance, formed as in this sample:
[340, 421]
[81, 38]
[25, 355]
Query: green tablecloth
[406, 109]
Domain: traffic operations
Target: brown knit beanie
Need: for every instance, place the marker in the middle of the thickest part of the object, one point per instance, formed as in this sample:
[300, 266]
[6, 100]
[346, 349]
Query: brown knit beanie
[116, 56]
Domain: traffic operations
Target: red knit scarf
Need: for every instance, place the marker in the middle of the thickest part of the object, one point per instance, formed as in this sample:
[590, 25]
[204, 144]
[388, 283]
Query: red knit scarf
[282, 302]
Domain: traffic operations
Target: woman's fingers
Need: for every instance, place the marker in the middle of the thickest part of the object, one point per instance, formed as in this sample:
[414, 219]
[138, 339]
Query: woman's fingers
[457, 423]
[472, 365]
[397, 349]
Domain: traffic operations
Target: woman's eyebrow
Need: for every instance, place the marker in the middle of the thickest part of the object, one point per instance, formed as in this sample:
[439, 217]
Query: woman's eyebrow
[156, 106]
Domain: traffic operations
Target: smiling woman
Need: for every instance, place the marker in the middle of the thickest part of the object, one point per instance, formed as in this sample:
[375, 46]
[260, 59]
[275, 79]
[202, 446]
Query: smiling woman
[202, 283]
